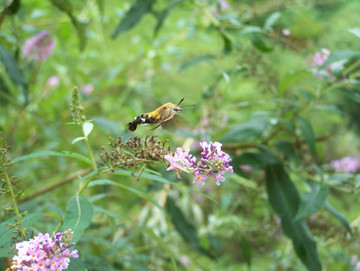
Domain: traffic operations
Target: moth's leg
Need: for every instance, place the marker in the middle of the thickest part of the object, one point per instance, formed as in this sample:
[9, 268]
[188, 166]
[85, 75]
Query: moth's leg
[158, 125]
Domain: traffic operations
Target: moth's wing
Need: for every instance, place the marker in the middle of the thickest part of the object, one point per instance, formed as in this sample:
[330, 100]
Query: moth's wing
[176, 122]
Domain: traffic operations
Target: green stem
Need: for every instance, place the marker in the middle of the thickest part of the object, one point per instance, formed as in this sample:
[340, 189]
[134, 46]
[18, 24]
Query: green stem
[2, 17]
[22, 231]
[89, 149]
[351, 67]
[92, 162]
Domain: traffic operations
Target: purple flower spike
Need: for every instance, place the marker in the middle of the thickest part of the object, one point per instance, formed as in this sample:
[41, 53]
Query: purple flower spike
[39, 47]
[43, 253]
[213, 163]
[349, 164]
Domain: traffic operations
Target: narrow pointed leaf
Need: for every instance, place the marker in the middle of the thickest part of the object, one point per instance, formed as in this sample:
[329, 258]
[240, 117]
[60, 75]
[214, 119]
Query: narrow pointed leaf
[53, 153]
[311, 202]
[78, 215]
[307, 133]
[15, 73]
[133, 16]
[78, 139]
[285, 199]
[65, 6]
[338, 216]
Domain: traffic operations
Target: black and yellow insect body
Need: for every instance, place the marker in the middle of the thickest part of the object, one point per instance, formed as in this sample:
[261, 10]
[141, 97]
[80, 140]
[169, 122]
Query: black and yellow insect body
[158, 116]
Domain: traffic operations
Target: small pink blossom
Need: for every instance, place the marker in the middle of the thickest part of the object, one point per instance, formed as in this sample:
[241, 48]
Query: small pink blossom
[224, 5]
[87, 89]
[349, 164]
[184, 261]
[53, 81]
[286, 32]
[212, 163]
[39, 47]
[246, 168]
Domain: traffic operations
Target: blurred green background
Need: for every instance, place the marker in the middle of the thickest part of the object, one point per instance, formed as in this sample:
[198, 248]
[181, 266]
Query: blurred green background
[230, 58]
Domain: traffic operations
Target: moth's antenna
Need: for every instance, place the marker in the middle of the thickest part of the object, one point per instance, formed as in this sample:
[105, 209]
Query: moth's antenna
[189, 105]
[180, 102]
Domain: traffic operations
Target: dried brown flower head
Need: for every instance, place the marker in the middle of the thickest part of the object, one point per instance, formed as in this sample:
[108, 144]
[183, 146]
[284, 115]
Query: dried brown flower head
[134, 152]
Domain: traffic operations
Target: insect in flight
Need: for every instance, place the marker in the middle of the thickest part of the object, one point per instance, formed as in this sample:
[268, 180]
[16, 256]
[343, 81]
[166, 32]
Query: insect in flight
[159, 116]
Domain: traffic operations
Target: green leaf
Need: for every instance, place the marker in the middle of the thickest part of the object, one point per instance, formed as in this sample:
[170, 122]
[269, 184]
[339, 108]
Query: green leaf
[53, 153]
[259, 41]
[355, 31]
[338, 216]
[338, 55]
[78, 139]
[87, 128]
[87, 176]
[287, 149]
[78, 215]
[14, 7]
[255, 159]
[141, 194]
[101, 6]
[250, 29]
[228, 46]
[307, 133]
[184, 227]
[290, 79]
[271, 20]
[161, 179]
[245, 131]
[15, 73]
[246, 251]
[311, 202]
[6, 235]
[161, 243]
[285, 199]
[329, 108]
[77, 264]
[4, 92]
[65, 6]
[133, 16]
[162, 16]
[195, 61]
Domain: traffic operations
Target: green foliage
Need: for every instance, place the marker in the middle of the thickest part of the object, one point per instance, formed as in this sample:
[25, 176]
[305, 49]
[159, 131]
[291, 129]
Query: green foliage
[282, 113]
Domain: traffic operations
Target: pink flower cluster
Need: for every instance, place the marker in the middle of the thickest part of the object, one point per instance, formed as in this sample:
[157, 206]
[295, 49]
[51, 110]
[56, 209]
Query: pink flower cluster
[43, 253]
[213, 163]
[349, 164]
[318, 60]
[39, 47]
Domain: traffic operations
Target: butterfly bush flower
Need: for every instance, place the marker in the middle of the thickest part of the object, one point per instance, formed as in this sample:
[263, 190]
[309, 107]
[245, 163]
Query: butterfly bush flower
[349, 164]
[44, 253]
[328, 71]
[286, 32]
[39, 47]
[213, 163]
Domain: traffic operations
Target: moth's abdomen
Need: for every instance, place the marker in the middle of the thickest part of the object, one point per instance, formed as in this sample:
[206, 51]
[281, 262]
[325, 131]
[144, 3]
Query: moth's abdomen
[150, 118]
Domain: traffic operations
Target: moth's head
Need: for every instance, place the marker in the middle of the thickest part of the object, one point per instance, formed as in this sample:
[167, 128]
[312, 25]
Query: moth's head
[171, 107]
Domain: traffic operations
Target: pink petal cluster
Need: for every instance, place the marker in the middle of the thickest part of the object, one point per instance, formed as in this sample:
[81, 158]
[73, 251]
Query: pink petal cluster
[349, 164]
[318, 60]
[39, 47]
[87, 89]
[286, 32]
[213, 163]
[224, 4]
[44, 253]
[53, 81]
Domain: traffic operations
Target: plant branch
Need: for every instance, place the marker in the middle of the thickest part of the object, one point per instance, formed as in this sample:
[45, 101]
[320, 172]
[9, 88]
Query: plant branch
[56, 185]
[8, 182]
[2, 17]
